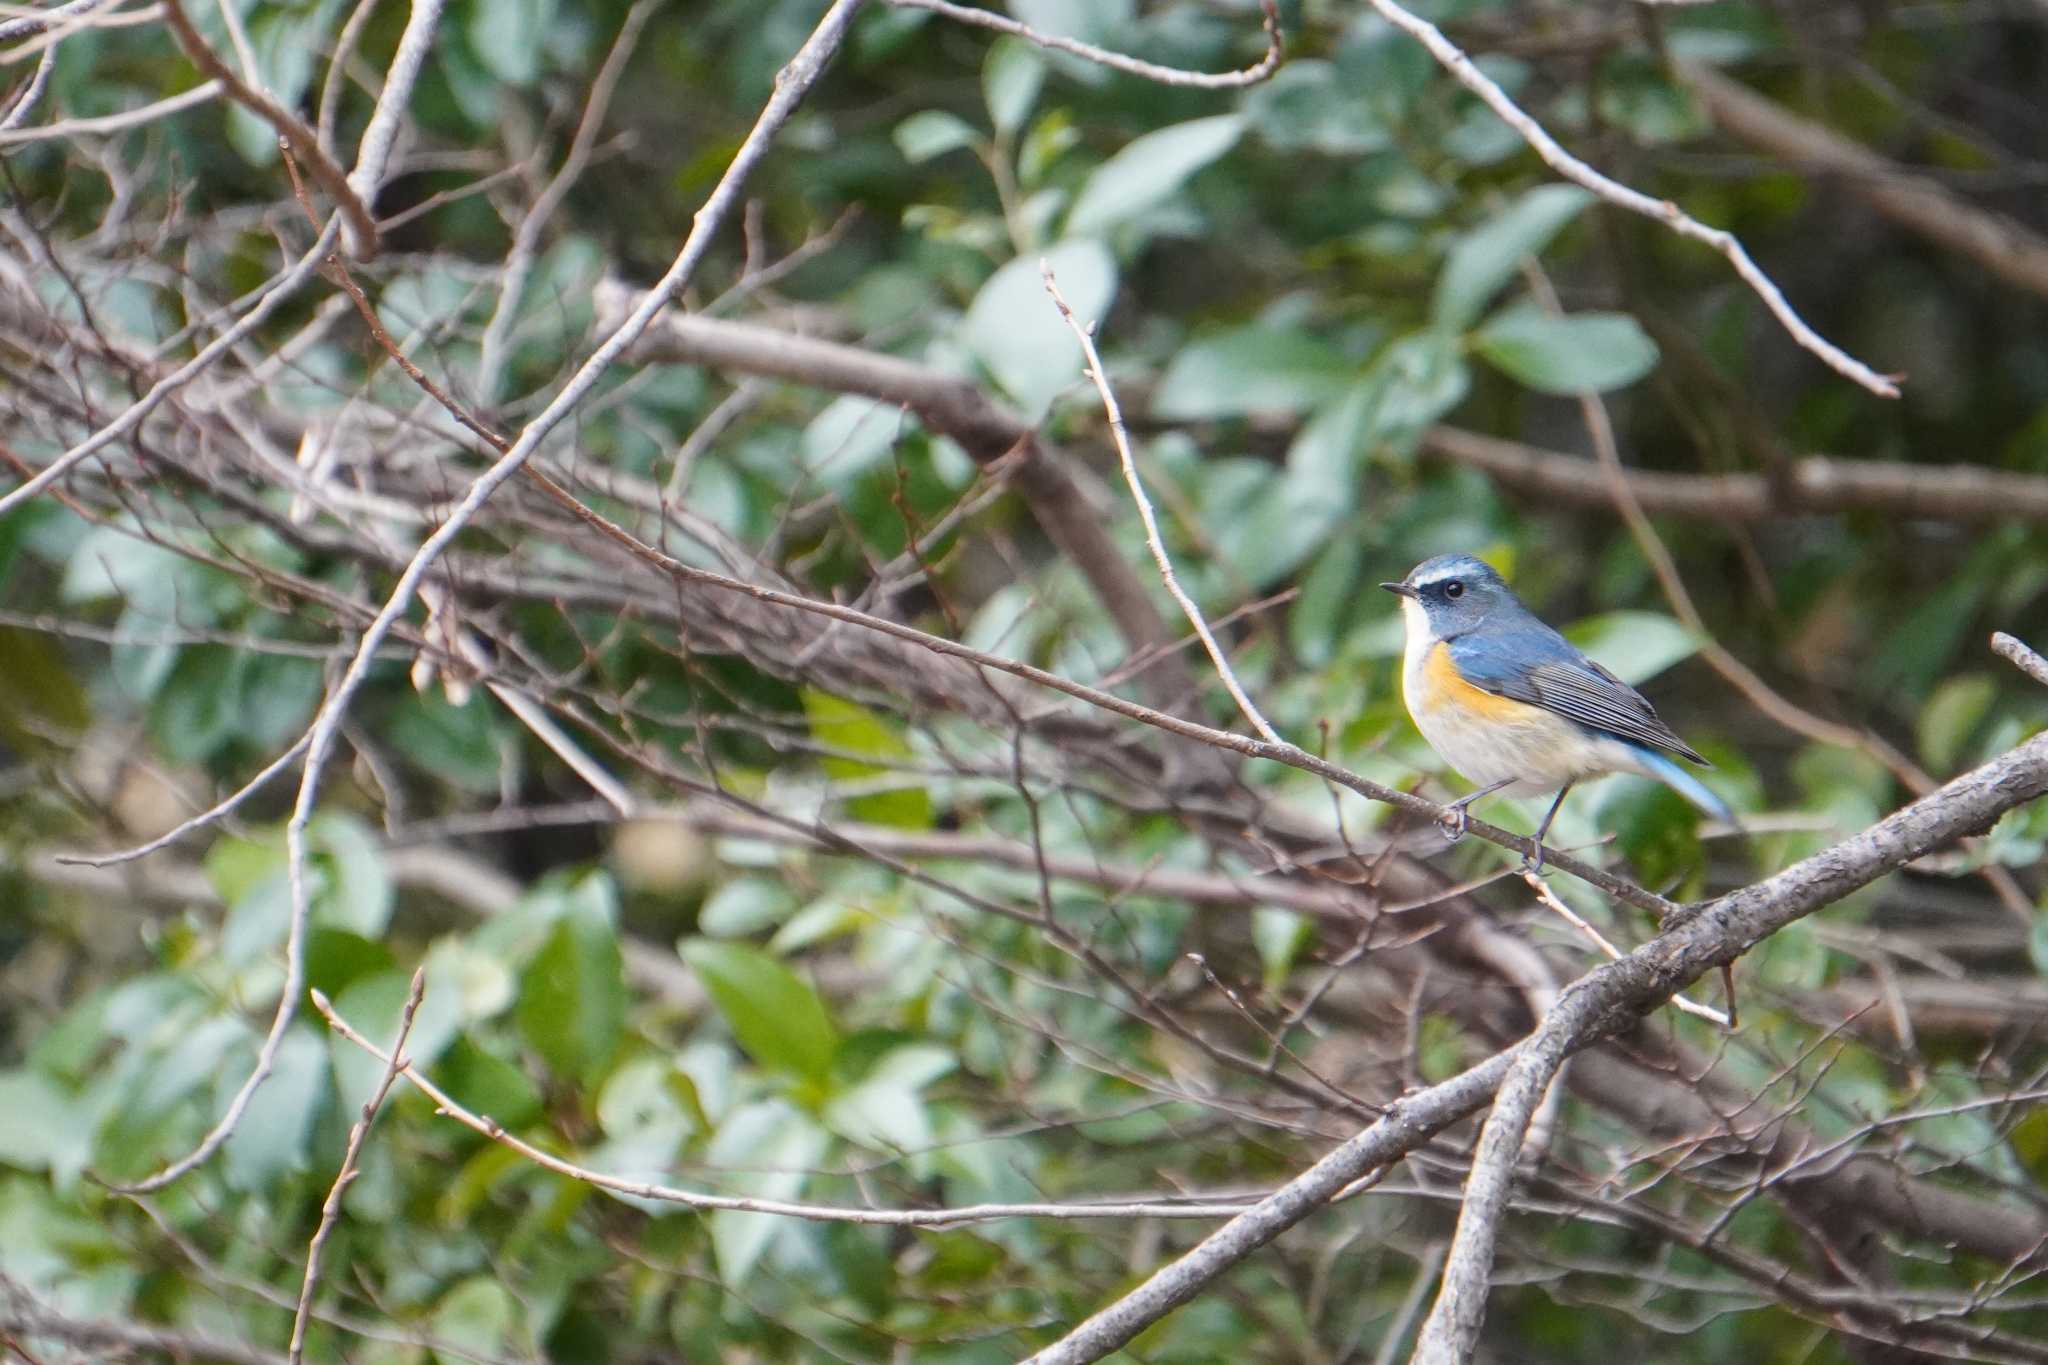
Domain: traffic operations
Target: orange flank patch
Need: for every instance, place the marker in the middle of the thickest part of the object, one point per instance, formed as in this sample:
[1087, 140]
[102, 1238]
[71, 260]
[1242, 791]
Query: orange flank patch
[1445, 688]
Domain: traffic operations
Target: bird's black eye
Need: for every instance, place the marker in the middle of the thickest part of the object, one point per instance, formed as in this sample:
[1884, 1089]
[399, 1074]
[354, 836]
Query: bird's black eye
[1454, 589]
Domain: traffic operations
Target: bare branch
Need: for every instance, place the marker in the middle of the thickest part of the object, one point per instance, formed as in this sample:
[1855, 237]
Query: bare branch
[2004, 246]
[2017, 653]
[1086, 336]
[1451, 1330]
[1816, 484]
[20, 1315]
[825, 1213]
[291, 130]
[1614, 192]
[1116, 61]
[330, 1209]
[796, 79]
[204, 93]
[1609, 999]
[373, 153]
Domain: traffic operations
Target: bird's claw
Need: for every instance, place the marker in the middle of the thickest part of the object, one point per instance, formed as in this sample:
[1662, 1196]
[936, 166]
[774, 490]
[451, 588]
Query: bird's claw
[1455, 824]
[1532, 863]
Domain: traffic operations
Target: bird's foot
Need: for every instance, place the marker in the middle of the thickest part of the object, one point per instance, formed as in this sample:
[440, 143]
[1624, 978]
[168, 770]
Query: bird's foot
[1456, 822]
[1532, 863]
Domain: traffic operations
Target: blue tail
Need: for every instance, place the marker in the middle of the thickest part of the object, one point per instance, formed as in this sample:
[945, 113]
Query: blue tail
[1667, 771]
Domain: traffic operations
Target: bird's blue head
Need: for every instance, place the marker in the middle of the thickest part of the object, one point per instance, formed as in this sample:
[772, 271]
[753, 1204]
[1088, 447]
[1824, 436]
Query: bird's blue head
[1451, 594]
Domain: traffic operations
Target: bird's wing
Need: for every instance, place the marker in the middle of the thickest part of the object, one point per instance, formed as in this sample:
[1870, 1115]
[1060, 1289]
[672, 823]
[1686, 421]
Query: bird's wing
[1562, 680]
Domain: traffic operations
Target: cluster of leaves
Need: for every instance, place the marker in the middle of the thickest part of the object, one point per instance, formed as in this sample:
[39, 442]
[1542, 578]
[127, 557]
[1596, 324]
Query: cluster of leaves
[1294, 284]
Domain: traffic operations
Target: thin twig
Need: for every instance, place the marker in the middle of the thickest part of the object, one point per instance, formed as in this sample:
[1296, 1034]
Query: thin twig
[373, 152]
[794, 82]
[204, 93]
[330, 1211]
[1454, 60]
[272, 295]
[526, 237]
[1600, 1004]
[2016, 652]
[1116, 61]
[32, 93]
[828, 1213]
[225, 806]
[337, 65]
[1549, 900]
[1085, 334]
[291, 129]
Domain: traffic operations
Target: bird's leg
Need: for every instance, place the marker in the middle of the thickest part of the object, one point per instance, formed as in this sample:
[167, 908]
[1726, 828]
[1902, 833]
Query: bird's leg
[1534, 863]
[1455, 824]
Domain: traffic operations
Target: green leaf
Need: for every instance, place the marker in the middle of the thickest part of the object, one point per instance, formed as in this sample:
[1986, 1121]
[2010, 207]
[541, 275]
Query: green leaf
[1010, 79]
[850, 437]
[776, 1016]
[885, 1109]
[1487, 257]
[1279, 935]
[769, 1149]
[42, 1127]
[199, 711]
[931, 132]
[1634, 645]
[1147, 171]
[1251, 369]
[475, 1318]
[816, 922]
[1952, 715]
[1309, 106]
[488, 1084]
[272, 1138]
[1418, 378]
[508, 36]
[852, 729]
[646, 1119]
[1015, 332]
[572, 996]
[744, 906]
[1578, 353]
[355, 888]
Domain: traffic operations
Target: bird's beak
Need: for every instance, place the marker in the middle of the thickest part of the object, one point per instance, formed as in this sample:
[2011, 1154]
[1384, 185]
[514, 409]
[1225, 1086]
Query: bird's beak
[1399, 589]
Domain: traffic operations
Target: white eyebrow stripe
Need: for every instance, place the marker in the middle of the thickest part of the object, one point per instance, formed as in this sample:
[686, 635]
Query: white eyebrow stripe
[1448, 571]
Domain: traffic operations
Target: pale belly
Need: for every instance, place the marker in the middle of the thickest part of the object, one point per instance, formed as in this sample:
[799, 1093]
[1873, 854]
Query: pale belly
[1533, 749]
[1539, 754]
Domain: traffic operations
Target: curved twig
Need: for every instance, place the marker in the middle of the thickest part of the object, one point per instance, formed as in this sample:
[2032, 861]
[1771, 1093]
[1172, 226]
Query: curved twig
[1117, 61]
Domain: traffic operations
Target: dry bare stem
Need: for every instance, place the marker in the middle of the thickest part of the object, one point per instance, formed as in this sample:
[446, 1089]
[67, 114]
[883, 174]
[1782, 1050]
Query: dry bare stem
[1454, 60]
[1598, 1005]
[330, 1208]
[795, 80]
[1085, 334]
[1116, 61]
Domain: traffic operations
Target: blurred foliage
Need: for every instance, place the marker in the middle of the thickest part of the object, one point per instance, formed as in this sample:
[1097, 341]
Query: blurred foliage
[1294, 283]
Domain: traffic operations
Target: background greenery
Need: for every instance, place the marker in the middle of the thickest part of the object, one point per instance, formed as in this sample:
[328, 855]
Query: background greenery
[1295, 284]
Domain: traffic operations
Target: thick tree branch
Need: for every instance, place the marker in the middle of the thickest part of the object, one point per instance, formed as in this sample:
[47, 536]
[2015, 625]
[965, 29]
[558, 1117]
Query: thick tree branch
[985, 429]
[1451, 1330]
[1815, 485]
[1607, 1000]
[2008, 249]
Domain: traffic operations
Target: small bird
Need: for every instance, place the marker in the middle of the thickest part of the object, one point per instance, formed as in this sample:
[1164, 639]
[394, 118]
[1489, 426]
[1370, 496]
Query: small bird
[1515, 706]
